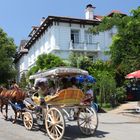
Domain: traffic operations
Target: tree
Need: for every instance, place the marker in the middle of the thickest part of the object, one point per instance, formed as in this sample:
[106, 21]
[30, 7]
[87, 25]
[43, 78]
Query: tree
[7, 53]
[106, 85]
[23, 81]
[32, 70]
[48, 61]
[81, 61]
[125, 48]
[73, 58]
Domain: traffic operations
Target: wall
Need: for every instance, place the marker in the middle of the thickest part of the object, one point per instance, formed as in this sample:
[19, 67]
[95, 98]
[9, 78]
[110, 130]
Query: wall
[56, 39]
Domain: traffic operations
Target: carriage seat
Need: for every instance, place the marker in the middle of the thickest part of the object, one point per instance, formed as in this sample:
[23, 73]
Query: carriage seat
[69, 96]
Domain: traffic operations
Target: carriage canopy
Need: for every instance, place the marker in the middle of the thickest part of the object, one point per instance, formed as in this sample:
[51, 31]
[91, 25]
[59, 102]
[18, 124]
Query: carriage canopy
[59, 71]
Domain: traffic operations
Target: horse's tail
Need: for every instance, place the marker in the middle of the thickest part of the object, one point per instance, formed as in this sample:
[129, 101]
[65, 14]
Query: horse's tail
[4, 96]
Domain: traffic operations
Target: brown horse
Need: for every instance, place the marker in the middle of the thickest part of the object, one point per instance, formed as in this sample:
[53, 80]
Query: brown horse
[13, 96]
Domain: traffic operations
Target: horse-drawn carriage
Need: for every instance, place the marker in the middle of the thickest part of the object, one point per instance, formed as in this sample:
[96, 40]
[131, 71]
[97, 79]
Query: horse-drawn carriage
[57, 108]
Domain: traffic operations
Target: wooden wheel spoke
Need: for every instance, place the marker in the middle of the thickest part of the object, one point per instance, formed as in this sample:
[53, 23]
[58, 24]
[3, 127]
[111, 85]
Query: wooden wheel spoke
[81, 119]
[58, 130]
[50, 125]
[59, 122]
[27, 123]
[51, 129]
[57, 117]
[90, 116]
[82, 115]
[55, 124]
[94, 121]
[87, 121]
[50, 117]
[56, 133]
[56, 114]
[28, 120]
[86, 127]
[89, 126]
[82, 123]
[93, 126]
[49, 121]
[30, 123]
[60, 126]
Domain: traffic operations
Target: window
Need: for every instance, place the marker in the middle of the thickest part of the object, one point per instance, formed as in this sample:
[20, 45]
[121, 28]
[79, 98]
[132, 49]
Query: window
[75, 36]
[88, 37]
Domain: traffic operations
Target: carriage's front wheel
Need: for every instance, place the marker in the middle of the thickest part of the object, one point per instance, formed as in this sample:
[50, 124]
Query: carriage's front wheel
[55, 124]
[87, 120]
[28, 120]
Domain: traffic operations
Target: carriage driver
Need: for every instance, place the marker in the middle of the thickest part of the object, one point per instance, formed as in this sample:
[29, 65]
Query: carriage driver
[42, 85]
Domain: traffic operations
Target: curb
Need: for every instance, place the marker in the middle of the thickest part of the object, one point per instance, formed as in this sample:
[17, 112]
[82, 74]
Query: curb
[131, 115]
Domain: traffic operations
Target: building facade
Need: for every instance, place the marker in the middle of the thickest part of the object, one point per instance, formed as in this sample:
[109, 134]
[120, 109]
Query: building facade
[61, 36]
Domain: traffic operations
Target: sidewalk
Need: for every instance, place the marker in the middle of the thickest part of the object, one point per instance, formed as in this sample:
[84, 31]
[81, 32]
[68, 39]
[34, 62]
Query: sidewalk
[127, 109]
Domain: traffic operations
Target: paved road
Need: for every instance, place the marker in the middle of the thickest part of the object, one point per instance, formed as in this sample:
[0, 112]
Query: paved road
[111, 127]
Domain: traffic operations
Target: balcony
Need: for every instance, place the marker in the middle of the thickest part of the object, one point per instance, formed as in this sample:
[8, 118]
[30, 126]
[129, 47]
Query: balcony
[92, 47]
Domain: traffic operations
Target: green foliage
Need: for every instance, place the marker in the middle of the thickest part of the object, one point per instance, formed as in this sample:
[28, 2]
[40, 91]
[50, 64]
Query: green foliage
[107, 23]
[120, 94]
[32, 71]
[73, 58]
[102, 71]
[125, 48]
[44, 62]
[7, 52]
[23, 82]
[107, 106]
[106, 85]
[105, 76]
[47, 61]
[80, 61]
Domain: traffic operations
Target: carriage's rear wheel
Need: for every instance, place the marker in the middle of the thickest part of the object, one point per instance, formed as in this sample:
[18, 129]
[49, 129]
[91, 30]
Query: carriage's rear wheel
[87, 120]
[55, 124]
[28, 120]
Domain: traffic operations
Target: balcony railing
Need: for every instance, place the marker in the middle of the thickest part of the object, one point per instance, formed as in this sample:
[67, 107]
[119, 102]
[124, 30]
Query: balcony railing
[84, 47]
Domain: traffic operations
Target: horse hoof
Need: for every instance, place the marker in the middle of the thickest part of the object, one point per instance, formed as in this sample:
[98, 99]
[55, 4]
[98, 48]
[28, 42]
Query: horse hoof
[5, 117]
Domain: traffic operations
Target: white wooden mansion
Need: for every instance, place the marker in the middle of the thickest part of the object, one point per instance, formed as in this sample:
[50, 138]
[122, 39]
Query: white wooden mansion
[63, 35]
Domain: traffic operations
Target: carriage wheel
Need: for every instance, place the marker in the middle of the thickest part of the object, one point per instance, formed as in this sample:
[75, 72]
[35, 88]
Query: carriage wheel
[28, 120]
[87, 120]
[55, 124]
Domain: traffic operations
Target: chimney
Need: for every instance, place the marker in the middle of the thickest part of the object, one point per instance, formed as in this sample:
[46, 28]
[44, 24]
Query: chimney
[42, 20]
[89, 12]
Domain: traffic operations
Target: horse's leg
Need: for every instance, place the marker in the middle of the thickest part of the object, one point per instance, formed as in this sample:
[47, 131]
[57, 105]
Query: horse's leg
[6, 111]
[1, 106]
[14, 121]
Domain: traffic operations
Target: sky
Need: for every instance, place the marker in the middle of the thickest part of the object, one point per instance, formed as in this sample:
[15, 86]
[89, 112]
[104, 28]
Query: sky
[18, 16]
